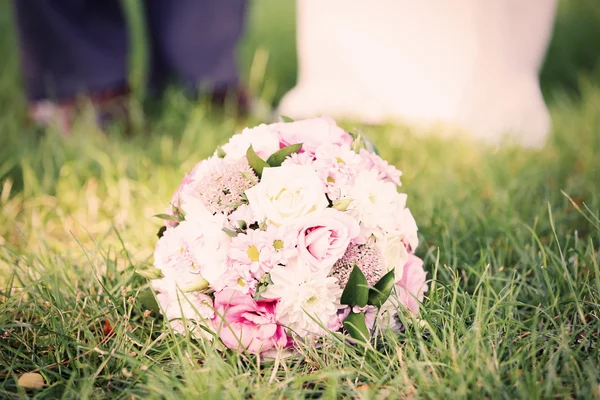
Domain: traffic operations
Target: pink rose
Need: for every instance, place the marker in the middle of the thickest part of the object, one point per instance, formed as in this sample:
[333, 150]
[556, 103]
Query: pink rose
[311, 133]
[324, 236]
[243, 323]
[412, 286]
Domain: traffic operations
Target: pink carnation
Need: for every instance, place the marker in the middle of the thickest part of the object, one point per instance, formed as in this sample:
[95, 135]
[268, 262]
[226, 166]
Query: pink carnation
[243, 323]
[336, 166]
[311, 133]
[299, 159]
[385, 171]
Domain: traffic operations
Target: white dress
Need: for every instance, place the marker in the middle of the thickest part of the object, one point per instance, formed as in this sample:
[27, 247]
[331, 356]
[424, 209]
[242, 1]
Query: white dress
[468, 65]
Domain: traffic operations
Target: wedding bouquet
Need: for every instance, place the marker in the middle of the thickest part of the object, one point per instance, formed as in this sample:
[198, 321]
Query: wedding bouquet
[289, 232]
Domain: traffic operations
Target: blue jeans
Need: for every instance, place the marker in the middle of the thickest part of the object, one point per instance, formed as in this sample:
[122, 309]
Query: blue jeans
[71, 47]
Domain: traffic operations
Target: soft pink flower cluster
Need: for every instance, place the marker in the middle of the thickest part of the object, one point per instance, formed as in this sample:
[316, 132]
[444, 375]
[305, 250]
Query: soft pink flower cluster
[259, 258]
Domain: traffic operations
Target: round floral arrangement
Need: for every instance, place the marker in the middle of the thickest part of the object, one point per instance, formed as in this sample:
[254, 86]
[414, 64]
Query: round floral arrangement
[288, 232]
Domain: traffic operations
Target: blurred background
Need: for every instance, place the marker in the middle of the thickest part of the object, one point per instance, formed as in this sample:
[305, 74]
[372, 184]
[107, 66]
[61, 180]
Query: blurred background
[267, 52]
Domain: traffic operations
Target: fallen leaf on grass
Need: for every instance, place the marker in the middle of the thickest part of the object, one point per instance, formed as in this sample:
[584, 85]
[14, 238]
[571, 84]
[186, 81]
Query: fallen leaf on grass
[107, 328]
[31, 380]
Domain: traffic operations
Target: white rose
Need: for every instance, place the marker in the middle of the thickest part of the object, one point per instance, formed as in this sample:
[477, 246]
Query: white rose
[286, 193]
[394, 253]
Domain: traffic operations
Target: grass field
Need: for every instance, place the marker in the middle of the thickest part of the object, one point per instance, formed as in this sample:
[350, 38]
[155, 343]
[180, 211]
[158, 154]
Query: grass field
[510, 239]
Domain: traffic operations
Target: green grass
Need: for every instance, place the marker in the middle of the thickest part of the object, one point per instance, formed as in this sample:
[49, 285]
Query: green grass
[510, 239]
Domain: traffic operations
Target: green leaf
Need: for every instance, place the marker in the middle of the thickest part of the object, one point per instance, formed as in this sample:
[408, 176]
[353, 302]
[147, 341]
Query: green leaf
[147, 299]
[196, 285]
[362, 142]
[220, 152]
[286, 119]
[356, 327]
[230, 232]
[262, 286]
[358, 142]
[277, 158]
[356, 292]
[255, 162]
[149, 273]
[178, 212]
[370, 146]
[342, 204]
[167, 217]
[379, 293]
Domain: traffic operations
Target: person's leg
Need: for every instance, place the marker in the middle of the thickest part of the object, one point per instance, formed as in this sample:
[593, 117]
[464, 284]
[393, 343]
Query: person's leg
[70, 48]
[195, 40]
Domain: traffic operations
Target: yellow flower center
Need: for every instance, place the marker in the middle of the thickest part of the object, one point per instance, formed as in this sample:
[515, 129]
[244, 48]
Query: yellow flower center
[278, 244]
[253, 253]
[241, 282]
[330, 179]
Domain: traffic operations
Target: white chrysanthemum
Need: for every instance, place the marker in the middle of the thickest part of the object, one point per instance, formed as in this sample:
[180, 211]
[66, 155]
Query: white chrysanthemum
[208, 245]
[242, 214]
[337, 166]
[374, 203]
[263, 139]
[307, 300]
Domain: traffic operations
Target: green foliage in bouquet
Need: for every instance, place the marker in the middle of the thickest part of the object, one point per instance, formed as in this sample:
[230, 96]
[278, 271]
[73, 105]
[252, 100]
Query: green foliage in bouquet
[255, 162]
[277, 158]
[379, 293]
[274, 160]
[177, 217]
[358, 293]
[356, 326]
[360, 141]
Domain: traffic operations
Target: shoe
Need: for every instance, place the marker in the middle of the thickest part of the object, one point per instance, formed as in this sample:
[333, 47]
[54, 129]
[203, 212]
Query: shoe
[236, 96]
[108, 106]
